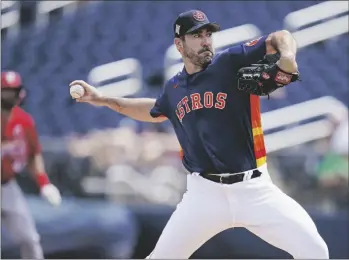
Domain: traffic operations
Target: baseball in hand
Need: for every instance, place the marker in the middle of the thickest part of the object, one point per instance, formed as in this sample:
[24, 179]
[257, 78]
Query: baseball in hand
[77, 91]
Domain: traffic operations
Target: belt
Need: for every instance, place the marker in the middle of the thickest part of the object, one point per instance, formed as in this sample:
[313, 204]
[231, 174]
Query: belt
[227, 178]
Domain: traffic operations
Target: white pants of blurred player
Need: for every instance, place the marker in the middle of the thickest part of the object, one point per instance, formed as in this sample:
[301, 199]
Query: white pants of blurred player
[208, 208]
[16, 219]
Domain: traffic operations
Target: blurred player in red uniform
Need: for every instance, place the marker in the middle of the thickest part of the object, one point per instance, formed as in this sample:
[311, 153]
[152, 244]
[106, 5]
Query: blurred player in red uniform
[20, 148]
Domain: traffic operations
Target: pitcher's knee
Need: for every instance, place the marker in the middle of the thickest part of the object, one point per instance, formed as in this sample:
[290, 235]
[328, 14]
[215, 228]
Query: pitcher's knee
[322, 250]
[317, 249]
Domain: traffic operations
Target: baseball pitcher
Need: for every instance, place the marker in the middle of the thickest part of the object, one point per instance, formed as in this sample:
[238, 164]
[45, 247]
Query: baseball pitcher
[214, 107]
[20, 148]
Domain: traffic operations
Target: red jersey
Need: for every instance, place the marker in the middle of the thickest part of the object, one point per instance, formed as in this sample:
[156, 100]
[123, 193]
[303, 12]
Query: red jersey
[19, 142]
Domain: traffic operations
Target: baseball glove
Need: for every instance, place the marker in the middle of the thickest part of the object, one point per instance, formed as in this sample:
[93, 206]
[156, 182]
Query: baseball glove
[265, 77]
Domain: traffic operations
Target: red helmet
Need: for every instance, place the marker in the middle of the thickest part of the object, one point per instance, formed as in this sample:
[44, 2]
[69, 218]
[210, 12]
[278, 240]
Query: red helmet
[12, 80]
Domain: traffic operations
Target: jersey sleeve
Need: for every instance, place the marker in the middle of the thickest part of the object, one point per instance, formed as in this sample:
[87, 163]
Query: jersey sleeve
[249, 52]
[33, 139]
[161, 105]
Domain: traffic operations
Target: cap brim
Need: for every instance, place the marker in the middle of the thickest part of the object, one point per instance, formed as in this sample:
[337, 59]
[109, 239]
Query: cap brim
[214, 27]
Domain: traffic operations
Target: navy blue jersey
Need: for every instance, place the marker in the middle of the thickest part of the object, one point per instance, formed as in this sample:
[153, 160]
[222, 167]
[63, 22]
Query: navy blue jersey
[218, 126]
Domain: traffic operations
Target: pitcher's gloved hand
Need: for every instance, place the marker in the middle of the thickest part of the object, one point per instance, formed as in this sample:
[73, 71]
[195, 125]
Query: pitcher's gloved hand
[265, 77]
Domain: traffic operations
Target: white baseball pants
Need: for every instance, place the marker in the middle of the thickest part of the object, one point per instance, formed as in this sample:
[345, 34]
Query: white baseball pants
[208, 208]
[17, 220]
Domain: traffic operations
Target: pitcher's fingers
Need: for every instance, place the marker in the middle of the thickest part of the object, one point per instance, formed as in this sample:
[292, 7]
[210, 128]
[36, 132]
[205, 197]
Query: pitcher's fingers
[84, 99]
[78, 82]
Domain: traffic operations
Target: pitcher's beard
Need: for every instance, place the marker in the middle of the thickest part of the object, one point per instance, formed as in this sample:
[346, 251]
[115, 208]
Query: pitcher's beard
[200, 61]
[207, 60]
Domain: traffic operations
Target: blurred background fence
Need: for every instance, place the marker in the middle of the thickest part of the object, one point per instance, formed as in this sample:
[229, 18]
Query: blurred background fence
[121, 179]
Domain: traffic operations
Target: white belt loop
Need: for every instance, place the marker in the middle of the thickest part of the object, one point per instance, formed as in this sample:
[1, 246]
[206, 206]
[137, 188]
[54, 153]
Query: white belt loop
[250, 175]
[245, 176]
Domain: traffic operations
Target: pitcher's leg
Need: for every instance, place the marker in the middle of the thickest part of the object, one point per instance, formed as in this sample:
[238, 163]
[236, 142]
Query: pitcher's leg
[282, 222]
[18, 221]
[197, 218]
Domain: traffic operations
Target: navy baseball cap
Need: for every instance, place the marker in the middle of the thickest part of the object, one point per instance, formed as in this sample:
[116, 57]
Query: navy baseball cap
[191, 21]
